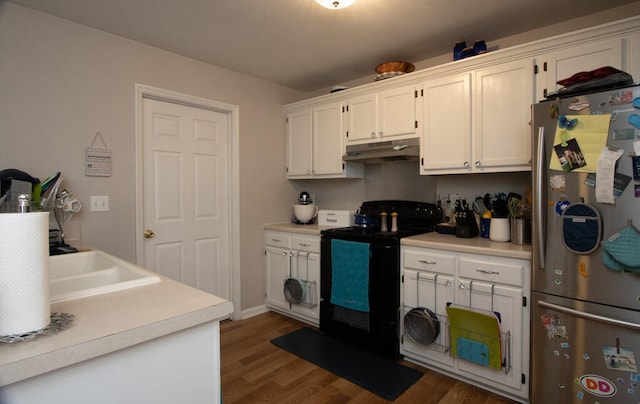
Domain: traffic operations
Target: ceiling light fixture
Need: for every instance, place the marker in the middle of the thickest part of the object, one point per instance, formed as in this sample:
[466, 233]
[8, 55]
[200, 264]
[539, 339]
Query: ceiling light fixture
[335, 4]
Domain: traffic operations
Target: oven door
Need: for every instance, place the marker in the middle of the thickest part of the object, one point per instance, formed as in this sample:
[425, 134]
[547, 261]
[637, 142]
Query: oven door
[384, 300]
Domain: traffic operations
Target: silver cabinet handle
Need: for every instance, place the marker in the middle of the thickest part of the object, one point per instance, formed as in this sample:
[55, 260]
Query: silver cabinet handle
[461, 285]
[478, 163]
[466, 164]
[285, 253]
[380, 134]
[373, 134]
[427, 262]
[304, 244]
[447, 283]
[589, 316]
[484, 271]
[276, 240]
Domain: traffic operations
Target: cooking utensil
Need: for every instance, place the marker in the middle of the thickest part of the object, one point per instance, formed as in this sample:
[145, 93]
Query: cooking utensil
[499, 205]
[422, 325]
[294, 291]
[478, 206]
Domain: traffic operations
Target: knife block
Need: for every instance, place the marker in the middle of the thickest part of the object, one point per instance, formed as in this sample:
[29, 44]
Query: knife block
[468, 227]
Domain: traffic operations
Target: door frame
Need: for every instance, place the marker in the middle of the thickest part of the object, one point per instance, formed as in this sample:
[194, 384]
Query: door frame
[143, 91]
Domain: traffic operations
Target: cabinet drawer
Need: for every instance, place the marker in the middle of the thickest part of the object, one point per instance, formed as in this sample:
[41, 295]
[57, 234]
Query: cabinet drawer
[427, 260]
[509, 272]
[276, 239]
[305, 243]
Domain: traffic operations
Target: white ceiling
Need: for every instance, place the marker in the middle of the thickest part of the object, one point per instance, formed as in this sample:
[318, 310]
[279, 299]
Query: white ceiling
[300, 45]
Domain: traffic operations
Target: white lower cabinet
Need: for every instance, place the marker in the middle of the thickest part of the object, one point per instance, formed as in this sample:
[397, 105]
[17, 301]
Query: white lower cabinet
[292, 264]
[435, 279]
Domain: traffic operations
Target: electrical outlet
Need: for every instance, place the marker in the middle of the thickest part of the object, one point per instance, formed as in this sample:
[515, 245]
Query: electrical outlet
[99, 203]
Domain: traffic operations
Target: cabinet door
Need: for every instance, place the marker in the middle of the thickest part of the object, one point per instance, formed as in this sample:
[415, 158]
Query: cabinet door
[397, 113]
[507, 301]
[446, 120]
[299, 143]
[568, 61]
[633, 56]
[328, 147]
[277, 264]
[362, 118]
[432, 291]
[306, 267]
[502, 111]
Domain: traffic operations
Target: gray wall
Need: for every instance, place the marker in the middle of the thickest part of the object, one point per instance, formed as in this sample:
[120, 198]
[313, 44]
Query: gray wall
[61, 82]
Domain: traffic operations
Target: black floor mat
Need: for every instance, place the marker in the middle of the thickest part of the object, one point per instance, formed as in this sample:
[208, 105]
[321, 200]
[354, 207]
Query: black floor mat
[380, 376]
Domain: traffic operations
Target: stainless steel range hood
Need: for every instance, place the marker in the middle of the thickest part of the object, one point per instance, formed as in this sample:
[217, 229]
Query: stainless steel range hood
[378, 152]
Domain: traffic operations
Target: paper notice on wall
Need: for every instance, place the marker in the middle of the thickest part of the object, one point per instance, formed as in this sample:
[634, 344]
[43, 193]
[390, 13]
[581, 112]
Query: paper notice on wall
[588, 136]
[98, 160]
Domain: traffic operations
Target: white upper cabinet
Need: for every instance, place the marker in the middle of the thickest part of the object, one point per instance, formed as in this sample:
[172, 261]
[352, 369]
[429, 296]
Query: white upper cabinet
[473, 115]
[478, 121]
[328, 146]
[566, 62]
[387, 115]
[446, 127]
[299, 143]
[502, 115]
[633, 56]
[315, 143]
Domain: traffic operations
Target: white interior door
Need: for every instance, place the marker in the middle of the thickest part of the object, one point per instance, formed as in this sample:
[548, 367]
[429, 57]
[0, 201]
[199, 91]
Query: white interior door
[185, 194]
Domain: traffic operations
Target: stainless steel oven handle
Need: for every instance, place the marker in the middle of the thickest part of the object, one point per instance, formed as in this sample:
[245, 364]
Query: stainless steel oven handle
[589, 316]
[538, 193]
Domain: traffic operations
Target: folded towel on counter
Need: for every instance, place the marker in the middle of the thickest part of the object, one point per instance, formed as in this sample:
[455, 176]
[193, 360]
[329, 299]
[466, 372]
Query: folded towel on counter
[350, 274]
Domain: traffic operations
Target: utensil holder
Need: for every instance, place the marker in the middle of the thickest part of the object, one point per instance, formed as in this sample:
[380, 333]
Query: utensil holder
[520, 231]
[500, 229]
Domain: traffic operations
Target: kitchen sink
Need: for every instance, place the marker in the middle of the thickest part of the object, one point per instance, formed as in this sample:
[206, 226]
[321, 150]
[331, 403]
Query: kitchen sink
[90, 273]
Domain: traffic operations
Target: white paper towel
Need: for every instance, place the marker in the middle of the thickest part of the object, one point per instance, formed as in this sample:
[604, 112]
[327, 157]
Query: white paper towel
[24, 272]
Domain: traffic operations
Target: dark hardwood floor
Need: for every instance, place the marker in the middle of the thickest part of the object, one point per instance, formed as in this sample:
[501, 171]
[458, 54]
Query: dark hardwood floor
[255, 371]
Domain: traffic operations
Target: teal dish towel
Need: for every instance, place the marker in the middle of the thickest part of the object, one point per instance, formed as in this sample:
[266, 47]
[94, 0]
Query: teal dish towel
[350, 274]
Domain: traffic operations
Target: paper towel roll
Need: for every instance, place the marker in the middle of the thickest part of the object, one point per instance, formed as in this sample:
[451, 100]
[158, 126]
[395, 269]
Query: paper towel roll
[24, 272]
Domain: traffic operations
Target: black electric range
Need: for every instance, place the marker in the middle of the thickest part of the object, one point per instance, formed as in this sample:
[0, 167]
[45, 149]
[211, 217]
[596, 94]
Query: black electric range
[376, 329]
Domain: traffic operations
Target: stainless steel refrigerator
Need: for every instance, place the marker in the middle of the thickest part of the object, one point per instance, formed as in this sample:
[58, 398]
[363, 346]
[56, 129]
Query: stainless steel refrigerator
[585, 323]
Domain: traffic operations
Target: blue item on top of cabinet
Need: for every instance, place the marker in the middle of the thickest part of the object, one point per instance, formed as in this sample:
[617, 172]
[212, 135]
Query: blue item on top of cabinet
[479, 46]
[457, 50]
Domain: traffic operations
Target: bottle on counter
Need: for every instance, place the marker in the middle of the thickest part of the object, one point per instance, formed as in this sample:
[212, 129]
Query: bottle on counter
[394, 222]
[383, 222]
[439, 214]
[23, 203]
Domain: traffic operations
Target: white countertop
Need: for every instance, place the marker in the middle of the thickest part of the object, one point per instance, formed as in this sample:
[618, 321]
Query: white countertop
[474, 245]
[111, 322]
[313, 229]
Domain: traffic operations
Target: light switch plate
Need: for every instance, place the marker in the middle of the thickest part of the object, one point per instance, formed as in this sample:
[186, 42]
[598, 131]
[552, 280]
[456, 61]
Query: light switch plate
[99, 203]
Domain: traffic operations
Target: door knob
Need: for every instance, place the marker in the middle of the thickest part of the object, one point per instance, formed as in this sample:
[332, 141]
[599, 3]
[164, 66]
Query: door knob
[149, 233]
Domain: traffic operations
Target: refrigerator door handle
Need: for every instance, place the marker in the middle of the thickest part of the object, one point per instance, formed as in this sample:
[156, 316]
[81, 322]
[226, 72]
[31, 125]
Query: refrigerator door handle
[538, 193]
[589, 316]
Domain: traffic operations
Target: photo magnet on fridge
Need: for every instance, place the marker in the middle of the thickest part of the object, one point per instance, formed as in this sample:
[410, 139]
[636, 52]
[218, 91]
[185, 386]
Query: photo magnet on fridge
[570, 155]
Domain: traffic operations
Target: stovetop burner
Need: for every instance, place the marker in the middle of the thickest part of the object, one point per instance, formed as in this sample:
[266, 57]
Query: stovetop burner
[413, 218]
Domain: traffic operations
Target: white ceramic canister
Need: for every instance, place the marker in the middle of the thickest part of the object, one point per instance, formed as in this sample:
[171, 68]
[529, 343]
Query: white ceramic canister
[500, 229]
